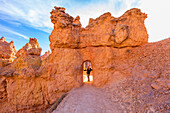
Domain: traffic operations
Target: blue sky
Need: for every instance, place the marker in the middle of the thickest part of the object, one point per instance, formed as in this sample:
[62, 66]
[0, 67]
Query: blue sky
[21, 19]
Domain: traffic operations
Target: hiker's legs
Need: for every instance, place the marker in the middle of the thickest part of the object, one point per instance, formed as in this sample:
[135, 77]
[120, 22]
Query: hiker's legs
[88, 76]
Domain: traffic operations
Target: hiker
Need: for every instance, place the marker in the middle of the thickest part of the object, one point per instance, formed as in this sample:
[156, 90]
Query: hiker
[88, 72]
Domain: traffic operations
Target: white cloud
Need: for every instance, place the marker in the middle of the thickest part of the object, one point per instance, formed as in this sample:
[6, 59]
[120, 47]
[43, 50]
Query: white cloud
[37, 12]
[6, 29]
[31, 12]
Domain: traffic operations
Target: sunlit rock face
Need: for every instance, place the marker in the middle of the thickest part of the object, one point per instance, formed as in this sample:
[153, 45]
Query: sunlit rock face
[31, 48]
[7, 52]
[98, 42]
[19, 78]
[126, 31]
[117, 48]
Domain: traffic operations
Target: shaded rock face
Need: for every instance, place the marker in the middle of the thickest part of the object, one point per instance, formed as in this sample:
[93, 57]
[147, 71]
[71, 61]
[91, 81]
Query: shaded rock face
[118, 51]
[7, 52]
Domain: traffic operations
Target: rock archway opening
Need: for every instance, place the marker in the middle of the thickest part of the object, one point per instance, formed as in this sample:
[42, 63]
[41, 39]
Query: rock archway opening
[87, 72]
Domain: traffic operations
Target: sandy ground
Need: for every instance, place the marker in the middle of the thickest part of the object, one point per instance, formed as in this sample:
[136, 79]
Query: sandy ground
[88, 99]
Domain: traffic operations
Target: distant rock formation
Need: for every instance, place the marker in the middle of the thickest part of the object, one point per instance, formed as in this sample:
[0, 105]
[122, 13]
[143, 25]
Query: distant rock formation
[31, 48]
[119, 52]
[7, 52]
[46, 54]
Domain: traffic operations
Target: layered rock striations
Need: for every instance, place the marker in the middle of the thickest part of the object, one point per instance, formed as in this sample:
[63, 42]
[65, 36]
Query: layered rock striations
[120, 54]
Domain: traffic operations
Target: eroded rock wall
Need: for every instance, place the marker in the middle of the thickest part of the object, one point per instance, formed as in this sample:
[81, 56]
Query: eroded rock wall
[126, 31]
[19, 77]
[7, 55]
[97, 42]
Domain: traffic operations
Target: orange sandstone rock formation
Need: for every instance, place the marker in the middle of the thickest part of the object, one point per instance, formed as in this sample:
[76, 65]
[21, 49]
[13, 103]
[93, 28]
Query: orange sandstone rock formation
[125, 31]
[19, 77]
[43, 57]
[7, 52]
[31, 48]
[120, 54]
[72, 44]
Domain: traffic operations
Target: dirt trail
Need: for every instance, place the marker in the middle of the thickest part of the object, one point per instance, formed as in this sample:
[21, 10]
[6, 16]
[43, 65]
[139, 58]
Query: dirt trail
[88, 99]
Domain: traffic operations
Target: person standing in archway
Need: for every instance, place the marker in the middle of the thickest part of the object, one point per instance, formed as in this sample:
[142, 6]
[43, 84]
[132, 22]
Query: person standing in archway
[88, 70]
